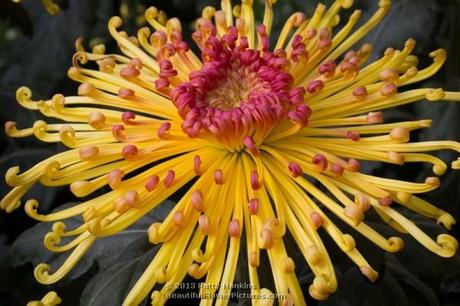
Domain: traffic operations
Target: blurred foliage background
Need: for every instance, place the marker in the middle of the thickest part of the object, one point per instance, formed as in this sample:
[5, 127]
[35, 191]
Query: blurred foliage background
[36, 51]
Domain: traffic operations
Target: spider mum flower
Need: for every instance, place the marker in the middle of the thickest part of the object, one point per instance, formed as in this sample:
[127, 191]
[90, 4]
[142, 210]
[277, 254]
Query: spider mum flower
[50, 299]
[246, 126]
[51, 7]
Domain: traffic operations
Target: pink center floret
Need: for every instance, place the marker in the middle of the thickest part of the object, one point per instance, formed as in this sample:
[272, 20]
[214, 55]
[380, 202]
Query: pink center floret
[237, 91]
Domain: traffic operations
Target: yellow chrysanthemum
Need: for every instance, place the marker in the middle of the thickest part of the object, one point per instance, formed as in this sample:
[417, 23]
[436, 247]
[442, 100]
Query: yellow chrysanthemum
[51, 7]
[50, 299]
[247, 127]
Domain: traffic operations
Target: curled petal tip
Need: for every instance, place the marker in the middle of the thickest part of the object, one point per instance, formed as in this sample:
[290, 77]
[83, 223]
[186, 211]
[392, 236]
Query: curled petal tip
[435, 94]
[400, 133]
[234, 228]
[24, 98]
[10, 176]
[80, 188]
[446, 220]
[433, 180]
[295, 169]
[439, 55]
[448, 244]
[31, 209]
[179, 218]
[354, 213]
[313, 255]
[439, 169]
[456, 164]
[51, 240]
[151, 12]
[41, 273]
[316, 220]
[197, 200]
[50, 299]
[253, 206]
[319, 290]
[266, 239]
[194, 271]
[10, 128]
[288, 265]
[254, 259]
[88, 153]
[86, 89]
[370, 273]
[68, 136]
[396, 244]
[349, 243]
[153, 233]
[115, 22]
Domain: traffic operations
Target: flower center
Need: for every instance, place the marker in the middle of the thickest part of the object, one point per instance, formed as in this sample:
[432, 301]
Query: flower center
[235, 88]
[238, 92]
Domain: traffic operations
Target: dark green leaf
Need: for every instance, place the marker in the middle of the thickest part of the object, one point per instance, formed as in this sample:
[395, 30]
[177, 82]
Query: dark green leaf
[110, 286]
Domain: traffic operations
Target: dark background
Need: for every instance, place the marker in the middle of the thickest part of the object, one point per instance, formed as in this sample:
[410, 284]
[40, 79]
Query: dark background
[36, 51]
